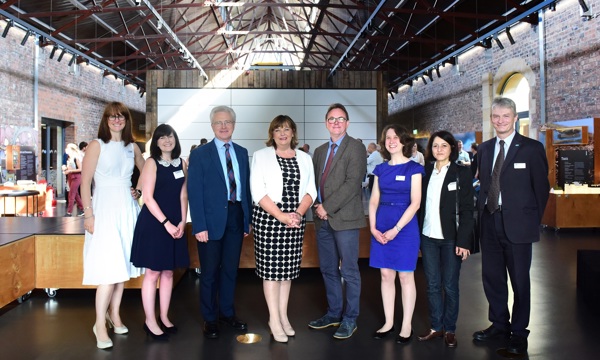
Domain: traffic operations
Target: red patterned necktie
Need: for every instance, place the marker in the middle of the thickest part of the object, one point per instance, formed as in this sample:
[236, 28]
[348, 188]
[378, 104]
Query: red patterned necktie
[326, 171]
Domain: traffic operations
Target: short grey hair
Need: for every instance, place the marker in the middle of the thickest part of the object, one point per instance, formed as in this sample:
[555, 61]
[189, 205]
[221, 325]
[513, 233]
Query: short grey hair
[506, 103]
[222, 108]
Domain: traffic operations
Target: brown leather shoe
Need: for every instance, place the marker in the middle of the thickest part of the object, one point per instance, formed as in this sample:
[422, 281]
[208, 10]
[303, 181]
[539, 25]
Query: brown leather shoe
[450, 339]
[432, 334]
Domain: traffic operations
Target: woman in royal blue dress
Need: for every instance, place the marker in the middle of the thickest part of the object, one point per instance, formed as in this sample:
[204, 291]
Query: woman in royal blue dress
[158, 241]
[395, 199]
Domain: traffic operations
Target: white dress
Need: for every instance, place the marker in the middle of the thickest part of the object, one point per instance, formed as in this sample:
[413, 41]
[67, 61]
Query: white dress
[106, 252]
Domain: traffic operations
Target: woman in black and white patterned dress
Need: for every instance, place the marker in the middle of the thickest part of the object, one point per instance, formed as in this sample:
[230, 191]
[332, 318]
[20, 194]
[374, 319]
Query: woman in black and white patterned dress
[283, 189]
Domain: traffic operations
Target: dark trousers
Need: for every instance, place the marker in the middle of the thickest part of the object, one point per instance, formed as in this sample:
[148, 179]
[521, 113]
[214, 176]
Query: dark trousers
[499, 256]
[371, 178]
[442, 270]
[219, 262]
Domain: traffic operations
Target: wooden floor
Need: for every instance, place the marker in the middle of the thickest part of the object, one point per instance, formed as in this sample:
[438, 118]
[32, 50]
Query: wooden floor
[562, 325]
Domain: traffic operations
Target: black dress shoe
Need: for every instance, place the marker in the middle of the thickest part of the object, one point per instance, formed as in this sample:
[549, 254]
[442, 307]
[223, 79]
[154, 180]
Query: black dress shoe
[380, 335]
[490, 333]
[404, 340]
[169, 330]
[517, 345]
[211, 330]
[234, 323]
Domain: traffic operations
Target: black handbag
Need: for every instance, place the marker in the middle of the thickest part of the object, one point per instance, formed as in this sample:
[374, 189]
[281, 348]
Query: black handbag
[475, 232]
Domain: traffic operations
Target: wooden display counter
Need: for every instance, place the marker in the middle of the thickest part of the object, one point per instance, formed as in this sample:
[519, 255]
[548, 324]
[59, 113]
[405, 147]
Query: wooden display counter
[17, 269]
[572, 211]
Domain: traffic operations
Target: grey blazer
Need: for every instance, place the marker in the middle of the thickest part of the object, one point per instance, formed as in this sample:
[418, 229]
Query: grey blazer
[342, 188]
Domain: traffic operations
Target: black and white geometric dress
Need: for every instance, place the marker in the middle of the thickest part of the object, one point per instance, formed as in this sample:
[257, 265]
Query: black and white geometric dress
[277, 249]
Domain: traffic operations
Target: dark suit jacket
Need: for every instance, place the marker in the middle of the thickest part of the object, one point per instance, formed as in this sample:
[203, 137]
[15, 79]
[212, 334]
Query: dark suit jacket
[343, 186]
[523, 185]
[207, 190]
[464, 191]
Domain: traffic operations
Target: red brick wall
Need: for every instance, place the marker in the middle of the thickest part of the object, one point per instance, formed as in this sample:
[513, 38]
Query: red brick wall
[78, 98]
[454, 102]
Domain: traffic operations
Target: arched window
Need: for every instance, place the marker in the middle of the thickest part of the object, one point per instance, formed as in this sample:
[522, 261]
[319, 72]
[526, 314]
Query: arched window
[516, 87]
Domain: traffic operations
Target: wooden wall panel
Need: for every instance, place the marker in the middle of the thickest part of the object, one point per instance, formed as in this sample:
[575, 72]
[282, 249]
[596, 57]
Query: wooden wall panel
[17, 273]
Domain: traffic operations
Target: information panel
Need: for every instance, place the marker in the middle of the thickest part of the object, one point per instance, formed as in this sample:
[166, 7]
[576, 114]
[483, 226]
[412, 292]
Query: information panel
[575, 166]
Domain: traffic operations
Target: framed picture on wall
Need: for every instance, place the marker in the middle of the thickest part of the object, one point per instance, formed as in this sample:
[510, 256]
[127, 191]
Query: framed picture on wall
[574, 135]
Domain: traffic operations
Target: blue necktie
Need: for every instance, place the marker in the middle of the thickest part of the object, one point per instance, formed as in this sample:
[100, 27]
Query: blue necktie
[230, 174]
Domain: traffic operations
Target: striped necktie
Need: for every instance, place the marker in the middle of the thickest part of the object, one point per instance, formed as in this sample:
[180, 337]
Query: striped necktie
[230, 174]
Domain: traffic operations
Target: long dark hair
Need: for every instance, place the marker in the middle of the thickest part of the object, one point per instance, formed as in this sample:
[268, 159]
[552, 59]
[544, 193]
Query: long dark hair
[160, 131]
[115, 108]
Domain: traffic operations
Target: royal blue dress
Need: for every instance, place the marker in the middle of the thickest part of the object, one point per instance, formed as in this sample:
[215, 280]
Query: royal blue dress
[153, 247]
[402, 252]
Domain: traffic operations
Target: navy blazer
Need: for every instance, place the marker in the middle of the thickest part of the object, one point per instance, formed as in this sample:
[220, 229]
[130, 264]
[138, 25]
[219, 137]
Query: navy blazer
[524, 186]
[448, 198]
[207, 190]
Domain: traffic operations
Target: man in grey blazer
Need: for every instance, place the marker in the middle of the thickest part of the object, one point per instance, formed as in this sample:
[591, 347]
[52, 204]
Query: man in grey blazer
[340, 166]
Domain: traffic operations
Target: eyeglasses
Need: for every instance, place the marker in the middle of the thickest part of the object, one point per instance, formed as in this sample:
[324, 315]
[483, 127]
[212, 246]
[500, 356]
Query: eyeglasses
[223, 123]
[116, 117]
[332, 119]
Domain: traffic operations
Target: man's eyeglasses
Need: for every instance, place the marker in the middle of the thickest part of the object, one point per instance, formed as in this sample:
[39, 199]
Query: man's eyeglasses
[223, 123]
[116, 117]
[332, 119]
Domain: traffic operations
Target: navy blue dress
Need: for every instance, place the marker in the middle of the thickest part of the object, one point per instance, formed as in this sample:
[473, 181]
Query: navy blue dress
[153, 247]
[402, 252]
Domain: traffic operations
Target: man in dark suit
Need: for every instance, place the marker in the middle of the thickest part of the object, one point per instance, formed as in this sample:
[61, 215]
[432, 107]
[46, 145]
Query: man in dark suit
[220, 208]
[340, 167]
[511, 203]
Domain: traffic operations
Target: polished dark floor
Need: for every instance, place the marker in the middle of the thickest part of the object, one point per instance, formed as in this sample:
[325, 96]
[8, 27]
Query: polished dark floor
[562, 325]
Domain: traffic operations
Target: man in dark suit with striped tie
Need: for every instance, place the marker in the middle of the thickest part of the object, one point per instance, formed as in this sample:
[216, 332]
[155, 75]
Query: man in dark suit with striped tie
[220, 208]
[513, 172]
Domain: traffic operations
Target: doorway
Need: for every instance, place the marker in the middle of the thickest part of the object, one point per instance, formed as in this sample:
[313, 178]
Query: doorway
[53, 144]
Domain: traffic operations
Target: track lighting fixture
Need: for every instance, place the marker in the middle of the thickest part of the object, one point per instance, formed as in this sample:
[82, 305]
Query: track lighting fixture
[27, 34]
[53, 51]
[498, 42]
[8, 26]
[437, 72]
[509, 36]
[73, 57]
[62, 53]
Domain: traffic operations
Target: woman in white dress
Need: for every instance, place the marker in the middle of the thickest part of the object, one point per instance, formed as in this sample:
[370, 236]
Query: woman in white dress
[110, 216]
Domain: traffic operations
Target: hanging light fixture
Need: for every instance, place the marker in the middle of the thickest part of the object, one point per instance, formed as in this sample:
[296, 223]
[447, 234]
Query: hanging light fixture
[8, 26]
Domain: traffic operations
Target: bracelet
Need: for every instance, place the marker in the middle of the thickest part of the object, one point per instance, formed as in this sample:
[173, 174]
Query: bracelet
[297, 213]
[398, 228]
[139, 192]
[164, 221]
[87, 207]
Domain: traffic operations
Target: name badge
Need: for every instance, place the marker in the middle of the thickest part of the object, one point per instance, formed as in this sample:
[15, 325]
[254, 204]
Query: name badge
[178, 174]
[452, 186]
[520, 166]
[400, 177]
[129, 153]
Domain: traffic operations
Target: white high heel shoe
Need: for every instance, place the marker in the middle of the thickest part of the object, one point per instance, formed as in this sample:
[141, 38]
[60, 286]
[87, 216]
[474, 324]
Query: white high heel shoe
[99, 343]
[121, 330]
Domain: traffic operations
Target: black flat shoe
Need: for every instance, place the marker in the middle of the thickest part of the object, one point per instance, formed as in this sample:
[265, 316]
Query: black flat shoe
[404, 340]
[161, 337]
[380, 335]
[169, 330]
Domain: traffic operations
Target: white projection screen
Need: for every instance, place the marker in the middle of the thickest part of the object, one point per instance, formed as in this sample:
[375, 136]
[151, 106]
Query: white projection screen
[187, 110]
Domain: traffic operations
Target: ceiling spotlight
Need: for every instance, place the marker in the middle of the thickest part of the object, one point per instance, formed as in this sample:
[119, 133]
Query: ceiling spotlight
[8, 26]
[62, 53]
[424, 81]
[138, 2]
[73, 57]
[499, 43]
[27, 34]
[159, 25]
[437, 72]
[509, 36]
[53, 51]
